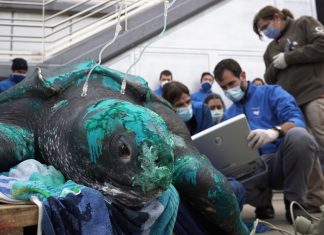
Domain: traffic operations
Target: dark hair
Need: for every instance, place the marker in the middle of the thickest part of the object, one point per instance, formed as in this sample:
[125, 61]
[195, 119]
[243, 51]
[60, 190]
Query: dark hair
[165, 73]
[258, 79]
[204, 74]
[172, 91]
[267, 13]
[214, 96]
[227, 64]
[19, 64]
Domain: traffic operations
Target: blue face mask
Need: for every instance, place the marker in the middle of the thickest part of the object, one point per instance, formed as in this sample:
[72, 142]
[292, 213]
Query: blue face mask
[217, 115]
[206, 86]
[185, 113]
[272, 32]
[235, 94]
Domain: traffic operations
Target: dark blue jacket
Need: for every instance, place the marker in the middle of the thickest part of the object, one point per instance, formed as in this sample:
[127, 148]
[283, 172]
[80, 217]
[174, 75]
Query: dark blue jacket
[201, 95]
[265, 107]
[12, 80]
[201, 118]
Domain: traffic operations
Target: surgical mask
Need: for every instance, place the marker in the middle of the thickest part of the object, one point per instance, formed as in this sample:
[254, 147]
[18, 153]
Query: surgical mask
[185, 113]
[272, 32]
[206, 86]
[217, 115]
[164, 82]
[235, 94]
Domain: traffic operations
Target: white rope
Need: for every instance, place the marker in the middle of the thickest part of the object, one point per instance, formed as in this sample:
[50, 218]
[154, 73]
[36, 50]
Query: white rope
[167, 5]
[117, 30]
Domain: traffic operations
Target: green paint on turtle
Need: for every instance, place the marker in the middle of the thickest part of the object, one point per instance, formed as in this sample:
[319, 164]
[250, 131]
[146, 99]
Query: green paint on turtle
[21, 138]
[152, 138]
[154, 175]
[186, 168]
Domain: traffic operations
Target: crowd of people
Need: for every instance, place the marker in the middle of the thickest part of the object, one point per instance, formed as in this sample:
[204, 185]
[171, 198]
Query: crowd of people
[285, 111]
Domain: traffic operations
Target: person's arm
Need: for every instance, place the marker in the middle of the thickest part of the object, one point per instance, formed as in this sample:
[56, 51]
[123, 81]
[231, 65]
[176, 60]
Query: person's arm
[286, 112]
[270, 75]
[313, 50]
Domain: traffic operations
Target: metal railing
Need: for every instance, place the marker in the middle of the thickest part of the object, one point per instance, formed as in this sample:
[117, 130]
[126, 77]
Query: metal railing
[39, 29]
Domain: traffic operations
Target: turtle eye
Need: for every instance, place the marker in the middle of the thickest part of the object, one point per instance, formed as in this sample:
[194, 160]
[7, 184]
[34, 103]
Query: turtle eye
[122, 148]
[123, 151]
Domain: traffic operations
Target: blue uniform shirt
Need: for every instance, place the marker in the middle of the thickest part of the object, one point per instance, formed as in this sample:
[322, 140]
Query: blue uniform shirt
[201, 95]
[265, 107]
[12, 80]
[201, 118]
[158, 91]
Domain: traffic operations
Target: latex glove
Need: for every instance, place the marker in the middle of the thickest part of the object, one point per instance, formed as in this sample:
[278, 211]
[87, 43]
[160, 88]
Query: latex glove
[279, 61]
[259, 137]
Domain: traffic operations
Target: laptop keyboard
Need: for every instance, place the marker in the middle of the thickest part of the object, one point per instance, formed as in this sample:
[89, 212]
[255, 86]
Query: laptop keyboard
[244, 171]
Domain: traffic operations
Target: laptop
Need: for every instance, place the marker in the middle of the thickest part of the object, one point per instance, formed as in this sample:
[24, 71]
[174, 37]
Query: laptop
[226, 146]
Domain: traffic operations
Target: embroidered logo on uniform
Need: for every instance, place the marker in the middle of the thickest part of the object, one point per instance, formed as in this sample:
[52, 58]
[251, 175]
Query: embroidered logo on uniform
[256, 111]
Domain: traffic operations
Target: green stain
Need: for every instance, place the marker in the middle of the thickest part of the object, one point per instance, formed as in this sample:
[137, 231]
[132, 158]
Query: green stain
[59, 105]
[76, 72]
[186, 168]
[152, 139]
[152, 176]
[107, 115]
[21, 140]
[110, 83]
[220, 192]
[111, 79]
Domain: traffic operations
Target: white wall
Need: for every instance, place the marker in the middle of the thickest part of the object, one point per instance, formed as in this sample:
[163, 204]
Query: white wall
[195, 46]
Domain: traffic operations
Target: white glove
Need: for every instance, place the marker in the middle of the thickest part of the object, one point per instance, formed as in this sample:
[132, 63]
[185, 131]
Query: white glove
[279, 61]
[259, 137]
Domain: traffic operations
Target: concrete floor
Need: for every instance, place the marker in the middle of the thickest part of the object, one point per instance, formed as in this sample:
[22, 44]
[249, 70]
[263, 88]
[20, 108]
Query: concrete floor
[279, 220]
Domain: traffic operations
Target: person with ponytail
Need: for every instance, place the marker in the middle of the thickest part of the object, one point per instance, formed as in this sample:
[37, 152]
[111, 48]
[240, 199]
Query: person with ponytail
[294, 59]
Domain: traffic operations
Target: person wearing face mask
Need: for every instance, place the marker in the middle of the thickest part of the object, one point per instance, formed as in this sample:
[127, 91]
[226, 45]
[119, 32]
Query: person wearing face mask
[277, 131]
[165, 77]
[196, 115]
[19, 69]
[216, 106]
[197, 118]
[206, 83]
[295, 60]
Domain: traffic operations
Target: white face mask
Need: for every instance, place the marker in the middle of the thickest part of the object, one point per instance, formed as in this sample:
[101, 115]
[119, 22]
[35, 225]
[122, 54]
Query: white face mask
[164, 82]
[185, 113]
[217, 115]
[235, 94]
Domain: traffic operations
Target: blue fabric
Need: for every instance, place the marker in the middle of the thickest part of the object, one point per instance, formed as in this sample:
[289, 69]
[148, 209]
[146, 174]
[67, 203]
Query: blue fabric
[68, 208]
[158, 91]
[201, 119]
[165, 223]
[201, 95]
[239, 191]
[84, 213]
[190, 222]
[267, 106]
[156, 218]
[12, 80]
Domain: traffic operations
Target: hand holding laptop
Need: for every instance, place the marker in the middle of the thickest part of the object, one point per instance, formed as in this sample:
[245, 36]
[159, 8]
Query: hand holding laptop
[259, 137]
